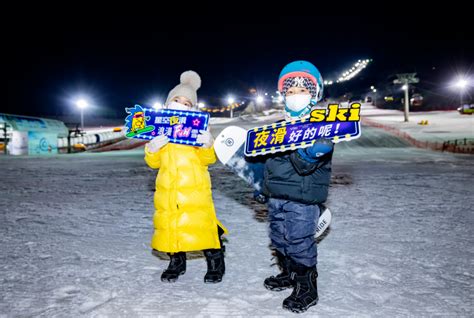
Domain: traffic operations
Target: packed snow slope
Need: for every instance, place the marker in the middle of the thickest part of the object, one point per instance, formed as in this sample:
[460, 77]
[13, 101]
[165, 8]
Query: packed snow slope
[442, 125]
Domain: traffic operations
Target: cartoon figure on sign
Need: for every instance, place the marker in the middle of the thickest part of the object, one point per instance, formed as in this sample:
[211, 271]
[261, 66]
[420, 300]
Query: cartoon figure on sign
[136, 121]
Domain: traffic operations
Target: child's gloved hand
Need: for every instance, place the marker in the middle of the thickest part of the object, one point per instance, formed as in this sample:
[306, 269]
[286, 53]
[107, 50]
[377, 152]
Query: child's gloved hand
[157, 143]
[205, 138]
[320, 148]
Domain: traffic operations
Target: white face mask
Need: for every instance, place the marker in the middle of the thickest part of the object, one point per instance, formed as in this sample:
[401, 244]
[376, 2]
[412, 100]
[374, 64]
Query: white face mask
[297, 102]
[178, 106]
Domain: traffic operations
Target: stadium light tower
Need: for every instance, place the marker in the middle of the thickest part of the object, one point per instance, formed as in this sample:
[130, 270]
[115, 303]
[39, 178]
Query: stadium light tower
[82, 104]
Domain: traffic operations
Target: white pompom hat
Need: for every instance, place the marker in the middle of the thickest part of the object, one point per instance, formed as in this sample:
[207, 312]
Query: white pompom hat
[189, 84]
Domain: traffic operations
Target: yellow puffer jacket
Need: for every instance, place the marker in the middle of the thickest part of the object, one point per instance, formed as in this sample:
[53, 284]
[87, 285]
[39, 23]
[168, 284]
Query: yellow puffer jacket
[185, 219]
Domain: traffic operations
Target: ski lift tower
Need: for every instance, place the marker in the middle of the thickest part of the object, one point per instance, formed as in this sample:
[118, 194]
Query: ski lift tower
[406, 79]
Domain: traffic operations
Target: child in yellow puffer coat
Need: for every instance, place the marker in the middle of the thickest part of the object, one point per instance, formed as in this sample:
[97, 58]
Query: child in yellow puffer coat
[185, 219]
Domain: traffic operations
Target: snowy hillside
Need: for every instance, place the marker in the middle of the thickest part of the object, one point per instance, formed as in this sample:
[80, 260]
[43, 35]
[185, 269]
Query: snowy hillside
[75, 232]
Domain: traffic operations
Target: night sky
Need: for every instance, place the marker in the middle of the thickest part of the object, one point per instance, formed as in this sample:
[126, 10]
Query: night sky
[119, 60]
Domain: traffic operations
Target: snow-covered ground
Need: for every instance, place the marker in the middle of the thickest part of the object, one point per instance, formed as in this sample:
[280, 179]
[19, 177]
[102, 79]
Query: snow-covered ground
[75, 232]
[442, 125]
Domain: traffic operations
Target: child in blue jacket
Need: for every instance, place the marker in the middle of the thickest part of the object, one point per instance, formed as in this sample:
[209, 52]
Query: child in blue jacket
[296, 184]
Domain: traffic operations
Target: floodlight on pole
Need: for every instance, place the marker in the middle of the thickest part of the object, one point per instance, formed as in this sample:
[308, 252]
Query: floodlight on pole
[82, 104]
[461, 84]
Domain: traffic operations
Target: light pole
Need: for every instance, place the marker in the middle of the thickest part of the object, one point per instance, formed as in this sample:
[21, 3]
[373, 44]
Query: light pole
[259, 103]
[374, 90]
[230, 101]
[405, 88]
[405, 79]
[82, 104]
[461, 84]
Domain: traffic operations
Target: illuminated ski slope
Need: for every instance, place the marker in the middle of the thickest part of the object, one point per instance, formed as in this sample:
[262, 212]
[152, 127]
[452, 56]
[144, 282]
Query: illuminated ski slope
[75, 232]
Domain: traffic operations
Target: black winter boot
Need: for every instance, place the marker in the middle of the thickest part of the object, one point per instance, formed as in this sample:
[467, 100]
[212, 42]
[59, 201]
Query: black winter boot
[215, 265]
[305, 293]
[176, 267]
[283, 280]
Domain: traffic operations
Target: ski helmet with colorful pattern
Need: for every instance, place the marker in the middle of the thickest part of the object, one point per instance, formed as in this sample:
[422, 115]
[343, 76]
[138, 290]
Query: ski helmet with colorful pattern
[296, 73]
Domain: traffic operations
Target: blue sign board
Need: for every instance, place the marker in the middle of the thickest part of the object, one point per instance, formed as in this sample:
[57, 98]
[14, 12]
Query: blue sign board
[288, 135]
[181, 127]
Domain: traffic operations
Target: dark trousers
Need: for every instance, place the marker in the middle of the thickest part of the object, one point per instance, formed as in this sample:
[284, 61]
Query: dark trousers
[292, 230]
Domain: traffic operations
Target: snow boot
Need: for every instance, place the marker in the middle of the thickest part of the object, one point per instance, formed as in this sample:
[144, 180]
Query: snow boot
[176, 267]
[215, 265]
[283, 280]
[305, 293]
